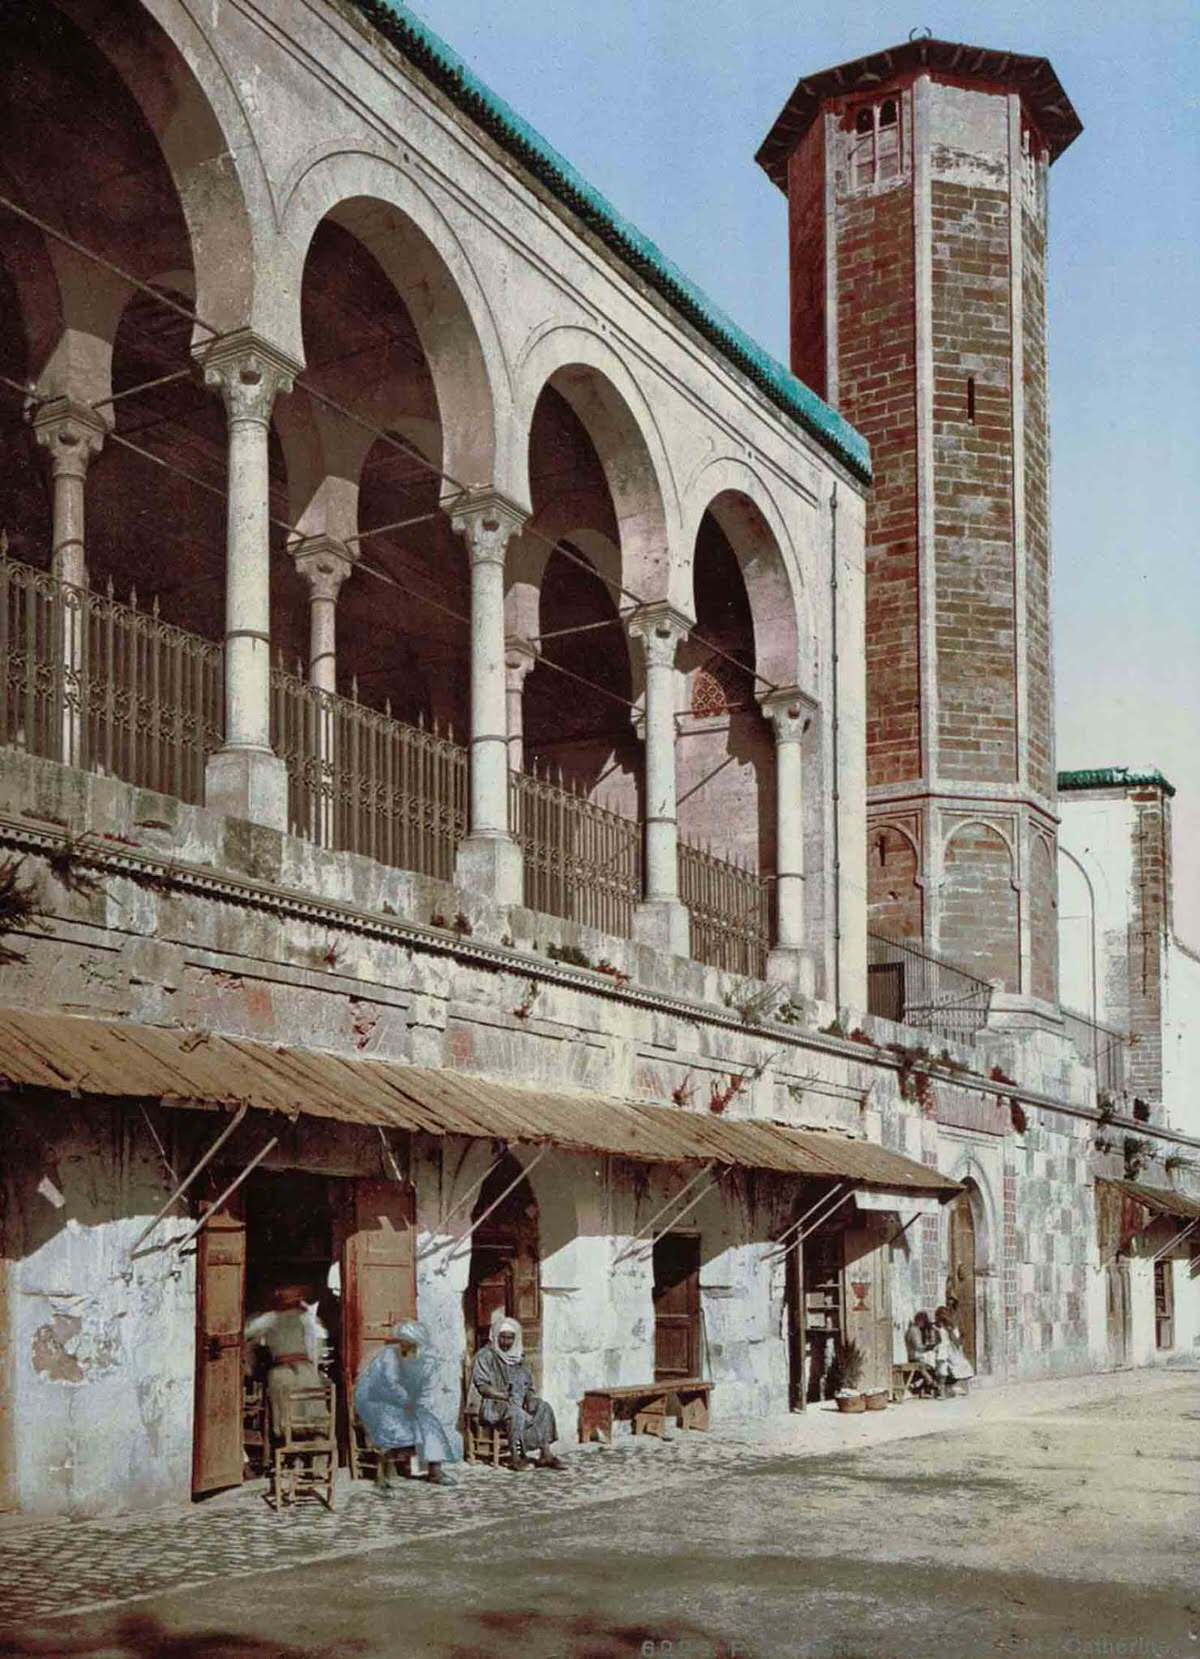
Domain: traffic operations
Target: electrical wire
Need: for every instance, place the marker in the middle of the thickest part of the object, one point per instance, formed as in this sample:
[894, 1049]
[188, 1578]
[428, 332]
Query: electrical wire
[379, 433]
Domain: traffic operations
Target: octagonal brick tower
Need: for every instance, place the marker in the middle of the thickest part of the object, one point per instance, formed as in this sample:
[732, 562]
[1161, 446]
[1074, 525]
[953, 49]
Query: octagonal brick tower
[916, 185]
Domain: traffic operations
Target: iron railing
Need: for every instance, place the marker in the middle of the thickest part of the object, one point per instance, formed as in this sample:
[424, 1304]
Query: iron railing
[911, 987]
[1100, 1047]
[362, 782]
[730, 906]
[89, 681]
[582, 861]
[97, 683]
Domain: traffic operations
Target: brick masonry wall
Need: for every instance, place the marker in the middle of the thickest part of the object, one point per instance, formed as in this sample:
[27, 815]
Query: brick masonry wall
[877, 392]
[973, 525]
[894, 898]
[979, 906]
[1040, 734]
[1148, 922]
[806, 258]
[1042, 898]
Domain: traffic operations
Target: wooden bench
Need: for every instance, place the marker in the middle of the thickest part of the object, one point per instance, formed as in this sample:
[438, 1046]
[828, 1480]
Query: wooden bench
[649, 1404]
[903, 1375]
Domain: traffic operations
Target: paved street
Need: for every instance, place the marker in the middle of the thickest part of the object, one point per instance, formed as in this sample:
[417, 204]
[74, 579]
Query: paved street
[1053, 1519]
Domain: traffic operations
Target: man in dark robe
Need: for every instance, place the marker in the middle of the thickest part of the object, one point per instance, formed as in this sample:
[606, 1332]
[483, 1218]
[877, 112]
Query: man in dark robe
[501, 1395]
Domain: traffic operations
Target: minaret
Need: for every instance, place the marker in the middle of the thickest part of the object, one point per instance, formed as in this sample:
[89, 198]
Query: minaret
[916, 185]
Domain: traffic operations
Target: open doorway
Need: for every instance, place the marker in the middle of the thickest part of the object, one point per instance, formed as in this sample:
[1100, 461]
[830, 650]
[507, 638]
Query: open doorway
[287, 1230]
[505, 1272]
[676, 1306]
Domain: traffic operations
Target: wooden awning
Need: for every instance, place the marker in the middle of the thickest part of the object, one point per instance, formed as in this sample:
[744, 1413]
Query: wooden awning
[121, 1060]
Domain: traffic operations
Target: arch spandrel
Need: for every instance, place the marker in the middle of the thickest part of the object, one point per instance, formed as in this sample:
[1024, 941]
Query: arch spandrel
[589, 374]
[429, 265]
[192, 106]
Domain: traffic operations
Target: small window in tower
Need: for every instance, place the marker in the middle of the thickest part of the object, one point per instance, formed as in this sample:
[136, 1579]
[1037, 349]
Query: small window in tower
[875, 146]
[971, 399]
[863, 152]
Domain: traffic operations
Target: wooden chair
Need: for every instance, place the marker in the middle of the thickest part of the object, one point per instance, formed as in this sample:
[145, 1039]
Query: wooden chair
[304, 1454]
[482, 1443]
[255, 1439]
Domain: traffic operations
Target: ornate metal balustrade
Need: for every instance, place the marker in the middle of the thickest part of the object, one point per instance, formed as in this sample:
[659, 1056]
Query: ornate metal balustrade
[730, 906]
[97, 683]
[913, 988]
[92, 682]
[1100, 1047]
[582, 861]
[365, 783]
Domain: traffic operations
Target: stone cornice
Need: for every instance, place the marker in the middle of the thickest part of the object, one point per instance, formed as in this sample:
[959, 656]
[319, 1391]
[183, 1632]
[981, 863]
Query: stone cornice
[113, 858]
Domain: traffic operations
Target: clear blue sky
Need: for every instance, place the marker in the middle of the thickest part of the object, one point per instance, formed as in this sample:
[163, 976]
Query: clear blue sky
[662, 104]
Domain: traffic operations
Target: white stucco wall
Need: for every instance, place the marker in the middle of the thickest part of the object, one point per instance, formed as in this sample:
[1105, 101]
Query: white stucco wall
[1181, 1039]
[1096, 832]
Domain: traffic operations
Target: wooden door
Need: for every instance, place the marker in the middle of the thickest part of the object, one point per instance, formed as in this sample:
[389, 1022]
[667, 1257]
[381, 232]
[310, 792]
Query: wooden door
[960, 1280]
[1116, 1276]
[676, 1306]
[794, 1303]
[220, 1323]
[379, 1270]
[867, 1296]
[1164, 1305]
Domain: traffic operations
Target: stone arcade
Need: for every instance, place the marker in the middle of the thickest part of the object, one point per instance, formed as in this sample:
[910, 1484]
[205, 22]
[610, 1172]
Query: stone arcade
[449, 672]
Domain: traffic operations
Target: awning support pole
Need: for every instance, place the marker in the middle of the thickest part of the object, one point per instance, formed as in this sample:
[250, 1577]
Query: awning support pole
[640, 1235]
[772, 1257]
[1178, 1239]
[471, 1191]
[188, 1179]
[647, 1244]
[823, 1199]
[900, 1231]
[229, 1190]
[456, 1243]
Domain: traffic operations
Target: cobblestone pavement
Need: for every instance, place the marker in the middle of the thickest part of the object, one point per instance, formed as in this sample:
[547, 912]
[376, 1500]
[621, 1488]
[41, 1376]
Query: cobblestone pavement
[70, 1566]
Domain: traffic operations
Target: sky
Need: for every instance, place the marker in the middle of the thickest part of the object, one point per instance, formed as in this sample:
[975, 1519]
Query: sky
[662, 104]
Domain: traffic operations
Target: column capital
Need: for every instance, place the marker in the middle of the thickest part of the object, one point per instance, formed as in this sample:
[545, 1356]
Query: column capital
[520, 655]
[790, 711]
[487, 520]
[71, 433]
[324, 564]
[248, 371]
[661, 629]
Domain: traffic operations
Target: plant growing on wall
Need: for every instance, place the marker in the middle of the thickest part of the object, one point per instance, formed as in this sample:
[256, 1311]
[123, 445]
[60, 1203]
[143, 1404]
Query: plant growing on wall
[1020, 1120]
[1106, 1108]
[1138, 1153]
[532, 991]
[1141, 1110]
[720, 1097]
[66, 866]
[18, 908]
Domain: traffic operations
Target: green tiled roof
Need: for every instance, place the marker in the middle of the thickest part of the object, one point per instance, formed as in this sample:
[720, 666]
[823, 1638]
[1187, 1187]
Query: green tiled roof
[1115, 777]
[447, 70]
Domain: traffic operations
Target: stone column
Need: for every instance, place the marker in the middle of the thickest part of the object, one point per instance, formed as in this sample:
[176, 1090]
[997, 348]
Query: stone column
[324, 564]
[489, 860]
[661, 919]
[791, 713]
[244, 778]
[519, 657]
[71, 433]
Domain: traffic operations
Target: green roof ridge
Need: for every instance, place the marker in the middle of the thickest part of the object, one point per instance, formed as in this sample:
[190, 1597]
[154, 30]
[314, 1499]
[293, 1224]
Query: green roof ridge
[1115, 777]
[417, 41]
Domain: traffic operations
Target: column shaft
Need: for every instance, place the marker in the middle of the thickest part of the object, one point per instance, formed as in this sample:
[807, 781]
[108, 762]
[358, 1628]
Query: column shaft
[244, 778]
[790, 961]
[489, 860]
[662, 919]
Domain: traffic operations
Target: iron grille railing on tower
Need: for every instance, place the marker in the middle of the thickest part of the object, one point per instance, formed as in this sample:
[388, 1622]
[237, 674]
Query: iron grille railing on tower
[97, 683]
[911, 987]
[1099, 1047]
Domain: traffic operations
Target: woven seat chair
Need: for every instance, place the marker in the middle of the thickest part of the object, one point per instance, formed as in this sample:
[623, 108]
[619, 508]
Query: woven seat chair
[304, 1453]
